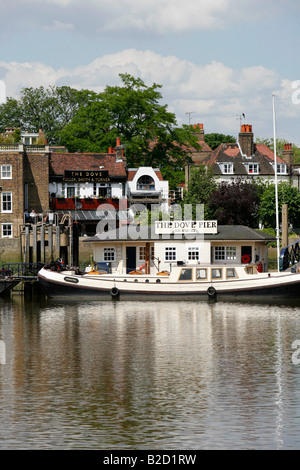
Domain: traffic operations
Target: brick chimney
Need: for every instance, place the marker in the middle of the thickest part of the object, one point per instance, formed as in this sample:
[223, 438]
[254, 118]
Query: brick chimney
[246, 140]
[119, 151]
[288, 154]
[199, 131]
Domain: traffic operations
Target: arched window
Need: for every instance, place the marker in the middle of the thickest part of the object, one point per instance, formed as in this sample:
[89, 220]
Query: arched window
[145, 182]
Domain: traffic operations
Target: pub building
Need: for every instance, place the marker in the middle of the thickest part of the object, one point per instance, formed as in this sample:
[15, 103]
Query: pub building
[88, 186]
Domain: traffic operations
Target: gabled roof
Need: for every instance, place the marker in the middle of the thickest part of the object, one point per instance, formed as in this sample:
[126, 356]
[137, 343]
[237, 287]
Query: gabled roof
[59, 162]
[230, 153]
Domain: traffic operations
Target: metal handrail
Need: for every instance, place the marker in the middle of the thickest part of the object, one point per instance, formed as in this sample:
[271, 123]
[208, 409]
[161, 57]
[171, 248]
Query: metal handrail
[20, 270]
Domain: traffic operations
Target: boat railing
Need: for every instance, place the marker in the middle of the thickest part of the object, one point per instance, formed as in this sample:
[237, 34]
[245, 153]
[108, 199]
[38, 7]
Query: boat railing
[289, 256]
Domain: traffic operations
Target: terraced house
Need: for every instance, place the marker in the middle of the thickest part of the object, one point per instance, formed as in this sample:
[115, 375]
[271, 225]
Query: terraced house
[246, 159]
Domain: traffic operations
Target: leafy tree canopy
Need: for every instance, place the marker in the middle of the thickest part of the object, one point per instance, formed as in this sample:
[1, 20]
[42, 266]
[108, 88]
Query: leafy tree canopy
[202, 184]
[132, 112]
[214, 140]
[236, 203]
[48, 109]
[287, 194]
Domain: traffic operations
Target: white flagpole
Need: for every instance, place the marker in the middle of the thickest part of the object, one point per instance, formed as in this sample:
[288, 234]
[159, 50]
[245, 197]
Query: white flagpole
[276, 187]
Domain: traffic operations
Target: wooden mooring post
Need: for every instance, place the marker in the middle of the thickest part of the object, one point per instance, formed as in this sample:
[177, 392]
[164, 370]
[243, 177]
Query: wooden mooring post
[45, 243]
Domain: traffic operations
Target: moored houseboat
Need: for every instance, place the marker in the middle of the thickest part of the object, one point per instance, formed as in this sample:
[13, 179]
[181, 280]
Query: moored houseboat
[195, 260]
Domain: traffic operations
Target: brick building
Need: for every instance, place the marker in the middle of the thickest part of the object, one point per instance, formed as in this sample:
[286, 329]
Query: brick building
[24, 182]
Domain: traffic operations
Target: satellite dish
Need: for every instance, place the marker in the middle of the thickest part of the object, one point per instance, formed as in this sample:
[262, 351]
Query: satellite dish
[78, 205]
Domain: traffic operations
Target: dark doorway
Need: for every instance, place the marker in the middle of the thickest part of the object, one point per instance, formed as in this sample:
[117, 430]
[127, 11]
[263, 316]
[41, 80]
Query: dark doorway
[130, 258]
[247, 251]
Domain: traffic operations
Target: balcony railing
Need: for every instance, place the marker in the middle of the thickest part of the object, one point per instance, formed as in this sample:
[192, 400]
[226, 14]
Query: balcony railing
[88, 203]
[11, 147]
[24, 148]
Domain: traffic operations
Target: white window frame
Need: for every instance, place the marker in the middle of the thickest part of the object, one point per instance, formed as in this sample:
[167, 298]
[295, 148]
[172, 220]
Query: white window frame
[193, 253]
[227, 168]
[6, 211]
[109, 254]
[281, 168]
[255, 168]
[6, 171]
[170, 253]
[225, 253]
[3, 235]
[142, 250]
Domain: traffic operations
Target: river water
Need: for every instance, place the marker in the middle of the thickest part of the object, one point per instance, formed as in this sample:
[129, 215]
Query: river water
[148, 375]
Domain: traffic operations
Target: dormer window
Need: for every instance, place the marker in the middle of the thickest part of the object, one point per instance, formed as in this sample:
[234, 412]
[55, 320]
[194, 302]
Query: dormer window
[226, 168]
[252, 168]
[281, 169]
[145, 183]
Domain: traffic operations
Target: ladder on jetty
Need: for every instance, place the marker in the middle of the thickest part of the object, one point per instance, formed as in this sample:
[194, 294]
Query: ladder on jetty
[289, 256]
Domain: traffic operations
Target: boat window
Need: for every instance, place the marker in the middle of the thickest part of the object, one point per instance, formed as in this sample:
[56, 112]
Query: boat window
[250, 270]
[216, 273]
[230, 273]
[201, 273]
[186, 274]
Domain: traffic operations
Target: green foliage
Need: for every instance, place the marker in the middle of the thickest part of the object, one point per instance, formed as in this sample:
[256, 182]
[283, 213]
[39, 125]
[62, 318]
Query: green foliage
[214, 139]
[202, 183]
[47, 109]
[287, 194]
[236, 203]
[132, 112]
[10, 114]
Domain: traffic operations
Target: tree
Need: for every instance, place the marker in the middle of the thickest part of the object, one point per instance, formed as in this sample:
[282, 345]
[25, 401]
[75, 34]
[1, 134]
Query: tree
[132, 112]
[10, 114]
[201, 185]
[214, 139]
[49, 109]
[287, 194]
[236, 203]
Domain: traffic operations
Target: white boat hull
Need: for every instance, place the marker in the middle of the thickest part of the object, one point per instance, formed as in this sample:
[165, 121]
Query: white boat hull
[67, 284]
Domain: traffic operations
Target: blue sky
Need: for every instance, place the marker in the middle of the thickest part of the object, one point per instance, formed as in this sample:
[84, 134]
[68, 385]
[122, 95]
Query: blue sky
[215, 59]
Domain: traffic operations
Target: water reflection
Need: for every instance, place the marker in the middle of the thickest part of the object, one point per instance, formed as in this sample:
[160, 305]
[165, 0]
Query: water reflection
[155, 375]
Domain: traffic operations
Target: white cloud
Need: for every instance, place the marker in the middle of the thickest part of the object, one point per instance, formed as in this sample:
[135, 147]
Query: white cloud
[214, 92]
[143, 16]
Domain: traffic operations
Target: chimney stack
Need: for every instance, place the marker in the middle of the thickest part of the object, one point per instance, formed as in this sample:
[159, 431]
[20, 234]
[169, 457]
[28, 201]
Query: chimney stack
[119, 151]
[288, 154]
[246, 140]
[199, 131]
